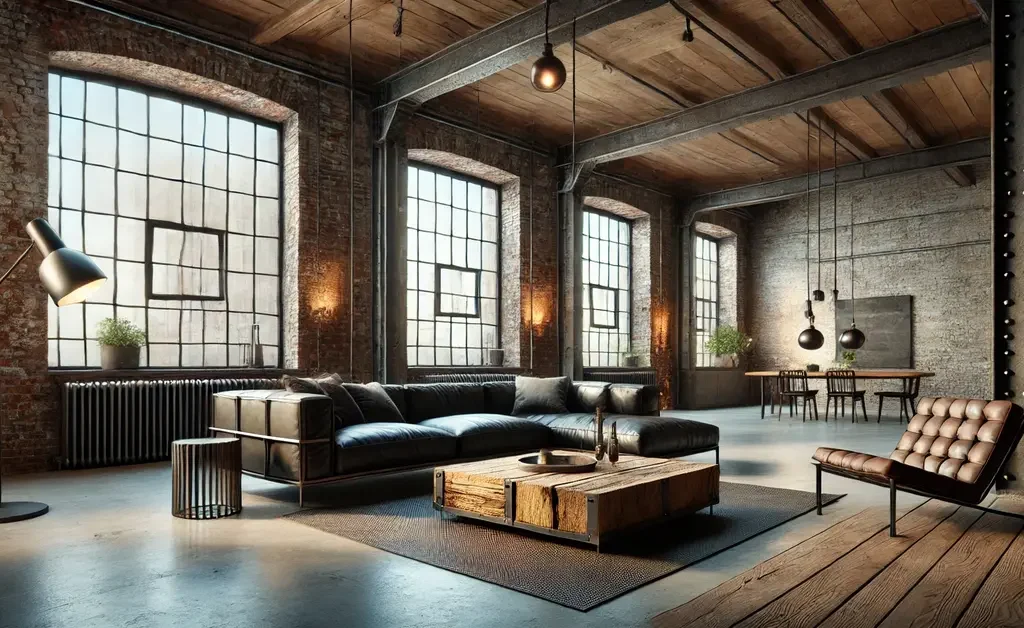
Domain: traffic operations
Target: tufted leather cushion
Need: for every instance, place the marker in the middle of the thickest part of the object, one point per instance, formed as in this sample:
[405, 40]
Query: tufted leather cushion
[485, 434]
[372, 446]
[427, 401]
[643, 436]
[957, 445]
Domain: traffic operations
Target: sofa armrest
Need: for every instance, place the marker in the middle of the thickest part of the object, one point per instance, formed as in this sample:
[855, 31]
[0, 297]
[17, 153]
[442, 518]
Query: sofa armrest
[284, 435]
[634, 399]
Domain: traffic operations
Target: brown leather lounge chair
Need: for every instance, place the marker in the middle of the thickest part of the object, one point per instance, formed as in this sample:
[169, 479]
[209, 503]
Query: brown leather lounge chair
[953, 451]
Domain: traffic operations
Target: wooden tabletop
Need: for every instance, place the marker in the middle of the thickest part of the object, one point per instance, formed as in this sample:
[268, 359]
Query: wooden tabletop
[862, 374]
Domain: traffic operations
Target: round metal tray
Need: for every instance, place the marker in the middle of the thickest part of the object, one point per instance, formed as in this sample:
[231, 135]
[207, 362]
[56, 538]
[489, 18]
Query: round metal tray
[558, 464]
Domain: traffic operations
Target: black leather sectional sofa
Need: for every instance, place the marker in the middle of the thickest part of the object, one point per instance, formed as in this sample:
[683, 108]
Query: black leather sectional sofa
[294, 437]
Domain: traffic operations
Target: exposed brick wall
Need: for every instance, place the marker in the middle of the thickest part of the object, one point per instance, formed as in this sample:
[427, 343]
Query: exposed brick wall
[918, 235]
[33, 33]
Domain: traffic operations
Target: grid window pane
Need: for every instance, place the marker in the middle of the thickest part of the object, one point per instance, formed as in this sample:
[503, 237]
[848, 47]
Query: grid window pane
[452, 268]
[607, 296]
[161, 194]
[705, 296]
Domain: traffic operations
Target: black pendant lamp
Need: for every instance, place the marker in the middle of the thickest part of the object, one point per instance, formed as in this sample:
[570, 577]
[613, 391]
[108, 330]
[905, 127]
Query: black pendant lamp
[548, 74]
[853, 338]
[810, 338]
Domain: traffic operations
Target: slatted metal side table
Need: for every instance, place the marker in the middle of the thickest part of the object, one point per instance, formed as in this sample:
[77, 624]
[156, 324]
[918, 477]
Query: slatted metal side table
[206, 476]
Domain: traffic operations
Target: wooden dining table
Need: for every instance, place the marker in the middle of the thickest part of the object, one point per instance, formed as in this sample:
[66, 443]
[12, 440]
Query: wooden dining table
[904, 375]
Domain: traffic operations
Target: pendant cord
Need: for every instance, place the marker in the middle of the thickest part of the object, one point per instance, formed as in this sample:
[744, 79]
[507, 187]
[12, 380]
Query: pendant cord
[835, 213]
[853, 301]
[572, 173]
[818, 196]
[807, 208]
[351, 183]
[547, 16]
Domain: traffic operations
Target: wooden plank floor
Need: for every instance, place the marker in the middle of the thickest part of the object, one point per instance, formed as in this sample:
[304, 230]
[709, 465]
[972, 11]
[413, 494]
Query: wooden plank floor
[949, 566]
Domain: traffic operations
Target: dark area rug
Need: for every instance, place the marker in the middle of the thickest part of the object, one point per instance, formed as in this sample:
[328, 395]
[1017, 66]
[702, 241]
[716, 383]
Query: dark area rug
[569, 574]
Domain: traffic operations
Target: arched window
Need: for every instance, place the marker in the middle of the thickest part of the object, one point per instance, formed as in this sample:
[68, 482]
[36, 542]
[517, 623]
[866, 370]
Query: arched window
[179, 201]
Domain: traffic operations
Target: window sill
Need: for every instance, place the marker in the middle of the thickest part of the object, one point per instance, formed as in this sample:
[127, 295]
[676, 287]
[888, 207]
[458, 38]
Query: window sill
[465, 369]
[166, 373]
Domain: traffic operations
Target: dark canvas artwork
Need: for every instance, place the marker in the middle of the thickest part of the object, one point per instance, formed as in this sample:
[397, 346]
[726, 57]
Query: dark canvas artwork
[888, 323]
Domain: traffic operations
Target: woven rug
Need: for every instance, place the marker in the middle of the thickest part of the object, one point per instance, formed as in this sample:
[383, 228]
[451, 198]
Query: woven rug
[569, 574]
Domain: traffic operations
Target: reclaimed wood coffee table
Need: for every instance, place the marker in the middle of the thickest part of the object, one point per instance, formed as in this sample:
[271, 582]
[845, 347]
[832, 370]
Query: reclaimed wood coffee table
[592, 507]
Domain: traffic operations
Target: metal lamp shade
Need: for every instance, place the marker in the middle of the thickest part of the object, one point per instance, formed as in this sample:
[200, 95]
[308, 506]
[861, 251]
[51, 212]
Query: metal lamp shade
[811, 339]
[548, 74]
[852, 339]
[69, 276]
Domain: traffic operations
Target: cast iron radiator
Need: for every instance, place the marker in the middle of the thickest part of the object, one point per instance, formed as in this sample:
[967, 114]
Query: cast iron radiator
[647, 377]
[114, 422]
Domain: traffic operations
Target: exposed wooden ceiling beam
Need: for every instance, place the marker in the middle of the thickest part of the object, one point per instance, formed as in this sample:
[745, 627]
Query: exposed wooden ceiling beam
[934, 158]
[501, 46]
[290, 20]
[823, 28]
[906, 60]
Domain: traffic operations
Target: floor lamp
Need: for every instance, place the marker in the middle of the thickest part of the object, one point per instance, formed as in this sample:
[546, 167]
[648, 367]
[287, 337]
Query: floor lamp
[68, 276]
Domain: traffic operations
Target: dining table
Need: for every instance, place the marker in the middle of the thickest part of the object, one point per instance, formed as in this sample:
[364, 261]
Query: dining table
[903, 375]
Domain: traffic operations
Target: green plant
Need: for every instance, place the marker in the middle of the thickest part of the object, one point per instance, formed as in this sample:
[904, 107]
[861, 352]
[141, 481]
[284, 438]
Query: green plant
[849, 357]
[727, 340]
[119, 332]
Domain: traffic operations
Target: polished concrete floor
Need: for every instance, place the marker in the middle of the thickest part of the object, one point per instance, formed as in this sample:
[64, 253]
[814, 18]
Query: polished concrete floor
[110, 554]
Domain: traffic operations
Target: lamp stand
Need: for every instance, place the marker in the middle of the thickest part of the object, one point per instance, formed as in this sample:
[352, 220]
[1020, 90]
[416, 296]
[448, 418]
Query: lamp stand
[17, 511]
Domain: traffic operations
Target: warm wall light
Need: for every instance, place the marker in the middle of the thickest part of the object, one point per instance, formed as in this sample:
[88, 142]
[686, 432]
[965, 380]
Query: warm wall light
[539, 314]
[661, 322]
[325, 298]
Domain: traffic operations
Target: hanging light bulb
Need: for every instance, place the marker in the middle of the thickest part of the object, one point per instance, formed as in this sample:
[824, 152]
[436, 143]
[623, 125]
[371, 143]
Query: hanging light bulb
[687, 33]
[548, 74]
[809, 338]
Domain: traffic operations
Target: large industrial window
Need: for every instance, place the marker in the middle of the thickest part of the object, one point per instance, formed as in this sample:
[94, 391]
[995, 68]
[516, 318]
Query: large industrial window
[453, 291]
[180, 203]
[705, 296]
[607, 241]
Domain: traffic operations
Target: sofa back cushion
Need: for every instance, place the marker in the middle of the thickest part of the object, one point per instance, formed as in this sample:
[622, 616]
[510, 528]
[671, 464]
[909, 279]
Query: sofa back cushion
[346, 410]
[375, 403]
[499, 397]
[588, 396]
[634, 399]
[541, 395]
[963, 439]
[397, 394]
[429, 401]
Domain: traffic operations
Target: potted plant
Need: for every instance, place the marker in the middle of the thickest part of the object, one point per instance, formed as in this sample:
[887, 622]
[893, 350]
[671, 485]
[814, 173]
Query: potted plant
[849, 357]
[120, 341]
[727, 343]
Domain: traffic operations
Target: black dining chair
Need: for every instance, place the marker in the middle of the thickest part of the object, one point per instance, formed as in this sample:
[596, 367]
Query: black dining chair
[793, 386]
[907, 397]
[842, 383]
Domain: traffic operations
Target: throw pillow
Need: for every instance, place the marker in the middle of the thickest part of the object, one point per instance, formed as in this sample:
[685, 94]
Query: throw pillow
[541, 395]
[375, 403]
[346, 411]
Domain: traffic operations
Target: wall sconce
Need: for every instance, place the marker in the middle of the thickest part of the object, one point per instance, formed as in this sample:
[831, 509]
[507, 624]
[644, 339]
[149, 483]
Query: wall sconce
[661, 323]
[539, 314]
[325, 298]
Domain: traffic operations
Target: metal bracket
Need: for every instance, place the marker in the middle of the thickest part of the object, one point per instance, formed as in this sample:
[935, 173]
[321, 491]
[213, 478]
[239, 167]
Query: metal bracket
[510, 501]
[438, 489]
[576, 176]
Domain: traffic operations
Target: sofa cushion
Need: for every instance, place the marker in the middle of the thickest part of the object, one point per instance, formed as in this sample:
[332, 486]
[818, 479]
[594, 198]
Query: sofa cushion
[346, 410]
[485, 434]
[397, 394]
[635, 399]
[658, 436]
[375, 403]
[588, 396]
[427, 401]
[535, 395]
[499, 397]
[373, 446]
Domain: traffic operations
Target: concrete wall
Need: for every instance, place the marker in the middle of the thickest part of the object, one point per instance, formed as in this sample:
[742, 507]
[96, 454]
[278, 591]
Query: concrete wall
[917, 235]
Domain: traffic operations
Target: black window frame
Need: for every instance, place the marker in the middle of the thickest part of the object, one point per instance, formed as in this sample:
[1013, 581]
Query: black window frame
[222, 269]
[483, 183]
[616, 219]
[210, 107]
[615, 310]
[704, 359]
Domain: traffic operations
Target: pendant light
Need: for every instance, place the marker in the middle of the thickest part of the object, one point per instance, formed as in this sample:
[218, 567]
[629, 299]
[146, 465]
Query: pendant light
[835, 218]
[810, 338]
[548, 74]
[818, 294]
[853, 338]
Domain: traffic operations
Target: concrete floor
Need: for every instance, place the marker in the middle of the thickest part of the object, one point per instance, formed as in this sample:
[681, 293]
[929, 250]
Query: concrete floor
[110, 554]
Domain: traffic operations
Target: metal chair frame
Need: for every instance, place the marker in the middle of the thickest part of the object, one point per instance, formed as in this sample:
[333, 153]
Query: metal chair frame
[793, 386]
[907, 397]
[840, 384]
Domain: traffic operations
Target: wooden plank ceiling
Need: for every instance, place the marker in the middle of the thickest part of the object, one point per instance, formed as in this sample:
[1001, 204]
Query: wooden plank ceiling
[639, 69]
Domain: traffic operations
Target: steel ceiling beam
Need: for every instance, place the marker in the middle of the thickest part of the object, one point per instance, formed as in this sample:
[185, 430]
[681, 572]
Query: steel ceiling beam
[871, 71]
[934, 158]
[501, 46]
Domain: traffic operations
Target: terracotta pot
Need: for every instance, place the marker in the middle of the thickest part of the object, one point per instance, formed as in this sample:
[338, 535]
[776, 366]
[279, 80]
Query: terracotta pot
[114, 358]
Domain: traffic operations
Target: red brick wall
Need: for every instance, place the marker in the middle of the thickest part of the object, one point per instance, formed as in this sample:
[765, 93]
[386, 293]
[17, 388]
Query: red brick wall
[30, 30]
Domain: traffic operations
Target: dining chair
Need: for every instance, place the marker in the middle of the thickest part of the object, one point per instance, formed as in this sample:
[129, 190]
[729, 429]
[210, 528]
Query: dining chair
[840, 384]
[793, 386]
[907, 397]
